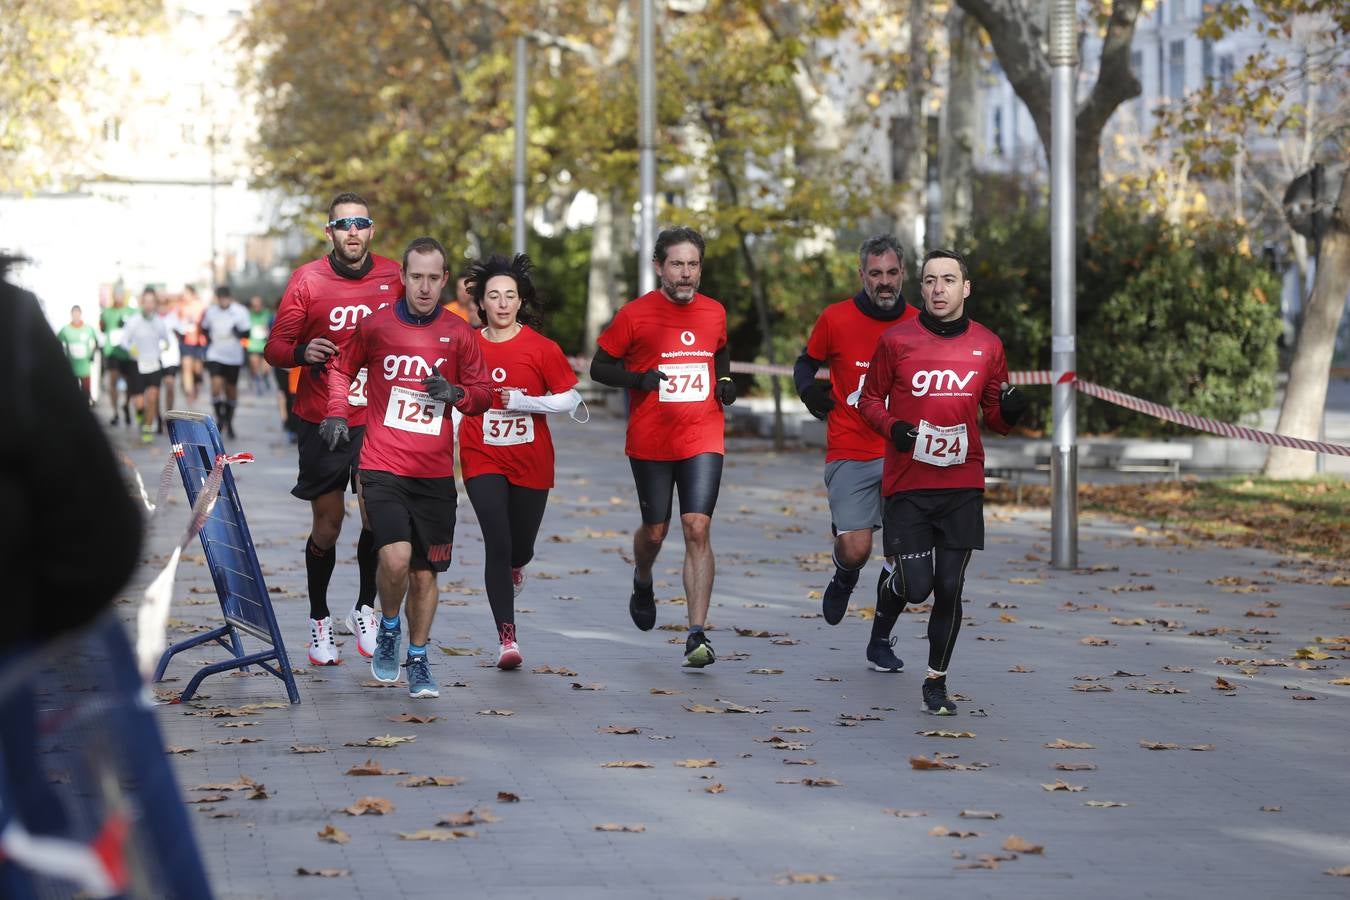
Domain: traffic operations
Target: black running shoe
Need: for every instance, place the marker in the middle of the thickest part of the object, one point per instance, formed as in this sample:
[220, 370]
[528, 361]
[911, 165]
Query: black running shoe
[642, 606]
[882, 657]
[935, 701]
[698, 652]
[834, 602]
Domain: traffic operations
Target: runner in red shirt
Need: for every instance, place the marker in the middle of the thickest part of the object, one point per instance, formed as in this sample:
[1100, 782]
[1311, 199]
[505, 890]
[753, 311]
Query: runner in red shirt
[421, 361]
[315, 319]
[669, 348]
[844, 338]
[507, 453]
[929, 379]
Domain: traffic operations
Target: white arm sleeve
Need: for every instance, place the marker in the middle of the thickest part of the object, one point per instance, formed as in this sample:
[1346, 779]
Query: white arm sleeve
[549, 403]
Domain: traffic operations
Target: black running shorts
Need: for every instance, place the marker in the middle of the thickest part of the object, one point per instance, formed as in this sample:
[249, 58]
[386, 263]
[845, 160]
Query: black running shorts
[419, 511]
[698, 479]
[918, 521]
[223, 370]
[322, 470]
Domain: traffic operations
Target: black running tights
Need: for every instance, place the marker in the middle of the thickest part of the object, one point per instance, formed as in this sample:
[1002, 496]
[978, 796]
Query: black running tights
[942, 573]
[509, 516]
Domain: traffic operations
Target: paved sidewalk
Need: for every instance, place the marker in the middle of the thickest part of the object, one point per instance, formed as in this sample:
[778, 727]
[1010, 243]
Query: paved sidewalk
[1259, 812]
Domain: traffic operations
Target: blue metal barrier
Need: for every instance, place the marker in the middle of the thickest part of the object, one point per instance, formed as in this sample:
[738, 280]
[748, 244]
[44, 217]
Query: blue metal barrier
[233, 563]
[88, 803]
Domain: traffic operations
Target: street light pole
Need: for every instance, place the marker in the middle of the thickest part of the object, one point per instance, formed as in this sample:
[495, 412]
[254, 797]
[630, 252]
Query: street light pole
[522, 111]
[1063, 355]
[646, 147]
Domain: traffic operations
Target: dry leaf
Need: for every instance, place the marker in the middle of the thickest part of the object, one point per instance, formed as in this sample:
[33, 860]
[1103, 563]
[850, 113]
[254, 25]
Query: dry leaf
[1093, 688]
[1074, 767]
[374, 806]
[308, 748]
[259, 793]
[334, 835]
[323, 873]
[792, 729]
[619, 729]
[594, 686]
[174, 749]
[1271, 808]
[859, 717]
[372, 683]
[1061, 744]
[437, 834]
[240, 740]
[715, 788]
[905, 813]
[662, 691]
[243, 784]
[802, 878]
[1223, 684]
[1015, 844]
[923, 762]
[549, 670]
[1339, 871]
[1104, 804]
[626, 764]
[946, 734]
[801, 761]
[461, 651]
[430, 781]
[507, 797]
[1093, 641]
[210, 798]
[370, 767]
[413, 718]
[980, 814]
[1156, 745]
[730, 707]
[944, 831]
[1342, 681]
[1061, 785]
[383, 740]
[1021, 669]
[701, 708]
[696, 763]
[1201, 747]
[766, 671]
[496, 712]
[625, 829]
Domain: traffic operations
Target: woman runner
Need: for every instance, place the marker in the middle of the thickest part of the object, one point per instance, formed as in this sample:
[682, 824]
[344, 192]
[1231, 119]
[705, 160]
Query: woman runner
[507, 453]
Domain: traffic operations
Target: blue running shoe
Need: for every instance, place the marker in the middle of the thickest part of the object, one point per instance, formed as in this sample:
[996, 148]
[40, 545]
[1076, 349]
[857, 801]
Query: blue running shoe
[384, 664]
[419, 678]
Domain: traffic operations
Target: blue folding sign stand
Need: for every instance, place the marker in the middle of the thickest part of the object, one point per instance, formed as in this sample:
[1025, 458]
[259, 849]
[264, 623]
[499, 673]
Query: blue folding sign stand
[233, 563]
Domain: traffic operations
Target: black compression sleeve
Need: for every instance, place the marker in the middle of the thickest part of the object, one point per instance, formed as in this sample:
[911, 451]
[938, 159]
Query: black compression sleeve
[609, 370]
[722, 363]
[804, 372]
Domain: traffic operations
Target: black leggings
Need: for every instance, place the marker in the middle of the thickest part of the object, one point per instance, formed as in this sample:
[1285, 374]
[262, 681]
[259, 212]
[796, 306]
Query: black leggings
[942, 573]
[698, 479]
[509, 516]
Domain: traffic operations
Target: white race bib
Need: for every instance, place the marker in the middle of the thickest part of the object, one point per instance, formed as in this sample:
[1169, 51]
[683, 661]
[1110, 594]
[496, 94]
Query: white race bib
[941, 446]
[356, 394]
[413, 411]
[685, 382]
[502, 428]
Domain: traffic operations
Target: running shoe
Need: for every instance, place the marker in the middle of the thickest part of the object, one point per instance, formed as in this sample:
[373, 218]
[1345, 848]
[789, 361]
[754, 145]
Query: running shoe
[420, 683]
[882, 657]
[935, 700]
[834, 603]
[518, 580]
[384, 664]
[147, 435]
[509, 655]
[642, 606]
[323, 649]
[362, 623]
[698, 652]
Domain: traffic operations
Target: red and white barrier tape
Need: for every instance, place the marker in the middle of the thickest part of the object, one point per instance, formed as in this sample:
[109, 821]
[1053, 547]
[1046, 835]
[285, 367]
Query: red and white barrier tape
[153, 616]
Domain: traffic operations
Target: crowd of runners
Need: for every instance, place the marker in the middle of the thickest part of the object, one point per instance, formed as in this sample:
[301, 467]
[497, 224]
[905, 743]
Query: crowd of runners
[395, 364]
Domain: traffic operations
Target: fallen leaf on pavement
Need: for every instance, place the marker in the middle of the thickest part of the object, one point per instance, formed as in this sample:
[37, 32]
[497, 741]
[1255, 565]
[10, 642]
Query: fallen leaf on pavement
[209, 798]
[437, 834]
[944, 831]
[738, 708]
[1021, 670]
[812, 782]
[791, 729]
[752, 632]
[979, 814]
[507, 797]
[308, 748]
[766, 671]
[594, 686]
[370, 767]
[1104, 804]
[859, 717]
[372, 683]
[923, 762]
[696, 763]
[1093, 641]
[1271, 808]
[626, 764]
[620, 729]
[323, 873]
[701, 708]
[334, 835]
[905, 813]
[1075, 767]
[1061, 785]
[946, 734]
[496, 712]
[1201, 747]
[374, 806]
[662, 691]
[413, 718]
[430, 781]
[468, 817]
[259, 792]
[715, 788]
[243, 784]
[1223, 684]
[1090, 688]
[383, 740]
[1339, 871]
[625, 829]
[1015, 844]
[986, 861]
[239, 740]
[1156, 745]
[802, 878]
[461, 651]
[174, 749]
[549, 670]
[1061, 744]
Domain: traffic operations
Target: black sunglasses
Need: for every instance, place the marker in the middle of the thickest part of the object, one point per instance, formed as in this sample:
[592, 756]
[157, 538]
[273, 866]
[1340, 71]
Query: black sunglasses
[347, 223]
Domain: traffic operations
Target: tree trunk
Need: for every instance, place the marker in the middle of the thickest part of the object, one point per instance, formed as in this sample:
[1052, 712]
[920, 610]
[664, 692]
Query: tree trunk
[601, 287]
[766, 335]
[909, 138]
[956, 164]
[1306, 394]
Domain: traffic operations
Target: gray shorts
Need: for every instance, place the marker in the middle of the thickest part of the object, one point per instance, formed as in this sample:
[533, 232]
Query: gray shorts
[854, 488]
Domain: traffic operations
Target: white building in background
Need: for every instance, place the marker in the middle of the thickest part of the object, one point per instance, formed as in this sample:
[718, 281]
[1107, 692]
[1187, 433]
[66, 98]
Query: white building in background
[167, 201]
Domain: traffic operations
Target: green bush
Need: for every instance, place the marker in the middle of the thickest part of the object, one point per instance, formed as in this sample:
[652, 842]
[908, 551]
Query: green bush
[1174, 315]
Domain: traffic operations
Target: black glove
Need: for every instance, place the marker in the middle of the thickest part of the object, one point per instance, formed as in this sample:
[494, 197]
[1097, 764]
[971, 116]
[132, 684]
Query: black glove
[333, 432]
[726, 391]
[818, 400]
[1012, 405]
[903, 435]
[650, 380]
[440, 389]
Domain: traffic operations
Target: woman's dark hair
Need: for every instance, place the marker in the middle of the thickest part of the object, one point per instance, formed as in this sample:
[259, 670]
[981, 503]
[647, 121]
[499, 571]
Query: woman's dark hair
[517, 269]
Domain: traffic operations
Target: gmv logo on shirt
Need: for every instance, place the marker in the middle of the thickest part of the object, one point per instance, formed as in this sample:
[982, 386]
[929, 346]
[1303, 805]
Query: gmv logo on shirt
[340, 318]
[409, 367]
[942, 380]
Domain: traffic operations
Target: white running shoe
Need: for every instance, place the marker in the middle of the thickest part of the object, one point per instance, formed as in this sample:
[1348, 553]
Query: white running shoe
[361, 623]
[323, 650]
[509, 655]
[518, 580]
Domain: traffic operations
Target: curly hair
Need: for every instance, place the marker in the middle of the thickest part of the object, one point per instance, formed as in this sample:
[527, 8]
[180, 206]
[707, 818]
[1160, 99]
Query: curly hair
[531, 310]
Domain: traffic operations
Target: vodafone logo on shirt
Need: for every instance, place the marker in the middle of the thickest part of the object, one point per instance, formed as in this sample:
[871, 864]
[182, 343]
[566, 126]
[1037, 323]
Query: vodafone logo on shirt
[499, 375]
[341, 318]
[938, 381]
[405, 366]
[687, 338]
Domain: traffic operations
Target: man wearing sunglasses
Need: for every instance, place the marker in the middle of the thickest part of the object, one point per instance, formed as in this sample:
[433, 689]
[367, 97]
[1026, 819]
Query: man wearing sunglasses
[315, 321]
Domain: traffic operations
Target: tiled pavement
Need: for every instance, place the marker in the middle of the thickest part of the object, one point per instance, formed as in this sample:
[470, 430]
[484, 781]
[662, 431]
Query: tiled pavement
[1192, 825]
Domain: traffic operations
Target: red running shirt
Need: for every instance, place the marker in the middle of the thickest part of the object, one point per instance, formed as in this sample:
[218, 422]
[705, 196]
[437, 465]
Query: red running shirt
[516, 444]
[682, 418]
[319, 303]
[940, 384]
[845, 338]
[407, 432]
